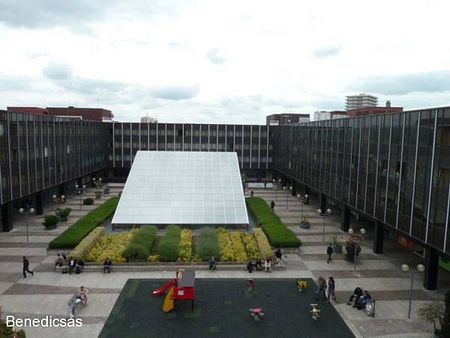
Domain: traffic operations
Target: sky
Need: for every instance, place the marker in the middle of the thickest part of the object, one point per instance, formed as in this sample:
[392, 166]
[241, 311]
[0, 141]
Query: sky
[214, 61]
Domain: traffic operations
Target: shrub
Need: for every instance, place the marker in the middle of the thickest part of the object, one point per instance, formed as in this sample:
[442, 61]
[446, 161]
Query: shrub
[238, 247]
[110, 246]
[207, 244]
[106, 191]
[185, 251]
[135, 251]
[251, 248]
[226, 250]
[72, 236]
[81, 250]
[263, 244]
[153, 258]
[88, 201]
[63, 214]
[277, 232]
[140, 244]
[50, 222]
[9, 332]
[169, 246]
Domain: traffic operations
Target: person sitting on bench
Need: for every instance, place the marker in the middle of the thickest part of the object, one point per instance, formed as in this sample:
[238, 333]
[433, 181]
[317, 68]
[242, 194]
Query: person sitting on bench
[107, 265]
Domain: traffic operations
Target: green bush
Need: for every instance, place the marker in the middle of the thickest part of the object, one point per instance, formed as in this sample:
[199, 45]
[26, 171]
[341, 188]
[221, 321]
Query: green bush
[9, 332]
[135, 251]
[50, 222]
[208, 244]
[63, 214]
[88, 201]
[141, 244]
[82, 249]
[169, 245]
[72, 236]
[276, 231]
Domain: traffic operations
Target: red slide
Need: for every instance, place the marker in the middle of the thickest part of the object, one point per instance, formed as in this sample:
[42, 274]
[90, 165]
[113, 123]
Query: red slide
[162, 290]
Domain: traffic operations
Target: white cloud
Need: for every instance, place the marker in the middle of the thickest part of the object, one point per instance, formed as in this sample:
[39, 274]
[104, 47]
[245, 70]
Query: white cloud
[221, 61]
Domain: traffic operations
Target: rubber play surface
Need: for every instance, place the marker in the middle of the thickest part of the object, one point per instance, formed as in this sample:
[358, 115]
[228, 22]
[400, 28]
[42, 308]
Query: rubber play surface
[222, 310]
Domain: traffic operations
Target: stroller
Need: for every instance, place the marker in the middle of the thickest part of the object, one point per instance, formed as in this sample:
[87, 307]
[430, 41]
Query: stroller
[370, 307]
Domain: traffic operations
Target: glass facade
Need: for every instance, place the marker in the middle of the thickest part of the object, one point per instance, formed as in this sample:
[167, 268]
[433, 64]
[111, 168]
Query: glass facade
[394, 168]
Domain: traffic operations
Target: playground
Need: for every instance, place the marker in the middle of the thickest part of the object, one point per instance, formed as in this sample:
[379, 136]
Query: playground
[222, 308]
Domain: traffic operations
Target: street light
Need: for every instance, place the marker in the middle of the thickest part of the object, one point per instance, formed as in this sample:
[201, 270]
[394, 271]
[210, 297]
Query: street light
[303, 202]
[405, 268]
[356, 236]
[30, 212]
[97, 182]
[319, 211]
[287, 196]
[274, 181]
[59, 200]
[80, 192]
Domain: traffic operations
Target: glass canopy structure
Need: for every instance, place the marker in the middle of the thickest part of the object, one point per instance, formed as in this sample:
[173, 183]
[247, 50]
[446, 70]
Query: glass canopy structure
[187, 188]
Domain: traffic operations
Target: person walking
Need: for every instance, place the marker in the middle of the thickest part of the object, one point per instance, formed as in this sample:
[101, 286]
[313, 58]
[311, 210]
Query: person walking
[212, 264]
[329, 253]
[321, 287]
[26, 267]
[331, 288]
[272, 205]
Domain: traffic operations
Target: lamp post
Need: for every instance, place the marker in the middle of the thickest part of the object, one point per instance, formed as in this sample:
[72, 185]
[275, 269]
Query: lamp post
[97, 182]
[274, 181]
[59, 200]
[80, 190]
[30, 212]
[279, 185]
[327, 212]
[303, 202]
[351, 232]
[405, 268]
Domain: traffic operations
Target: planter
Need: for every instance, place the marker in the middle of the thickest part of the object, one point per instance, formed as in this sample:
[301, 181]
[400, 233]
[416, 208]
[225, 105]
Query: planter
[337, 248]
[305, 225]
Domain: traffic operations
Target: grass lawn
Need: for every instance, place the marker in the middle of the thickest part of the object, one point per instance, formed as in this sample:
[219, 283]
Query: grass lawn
[222, 310]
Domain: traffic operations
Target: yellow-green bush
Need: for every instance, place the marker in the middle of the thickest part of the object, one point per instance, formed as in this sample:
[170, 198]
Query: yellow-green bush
[185, 253]
[238, 247]
[82, 249]
[251, 248]
[263, 244]
[110, 246]
[226, 249]
[153, 258]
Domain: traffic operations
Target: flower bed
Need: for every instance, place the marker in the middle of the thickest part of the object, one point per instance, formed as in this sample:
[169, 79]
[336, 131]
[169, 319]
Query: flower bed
[263, 244]
[141, 243]
[81, 250]
[251, 247]
[185, 252]
[226, 249]
[277, 232]
[110, 246]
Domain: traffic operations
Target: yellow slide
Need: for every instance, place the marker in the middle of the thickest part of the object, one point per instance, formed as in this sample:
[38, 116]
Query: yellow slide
[169, 303]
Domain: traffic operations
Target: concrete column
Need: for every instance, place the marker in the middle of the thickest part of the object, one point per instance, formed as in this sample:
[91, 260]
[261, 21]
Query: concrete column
[378, 237]
[345, 218]
[39, 207]
[294, 188]
[7, 217]
[323, 202]
[431, 269]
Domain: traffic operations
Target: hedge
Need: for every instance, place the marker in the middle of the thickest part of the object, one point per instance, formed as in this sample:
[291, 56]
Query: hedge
[169, 246]
[75, 234]
[276, 231]
[141, 243]
[208, 244]
[82, 249]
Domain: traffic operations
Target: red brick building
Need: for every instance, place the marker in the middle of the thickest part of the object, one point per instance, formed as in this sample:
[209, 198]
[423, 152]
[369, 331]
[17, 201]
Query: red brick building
[93, 114]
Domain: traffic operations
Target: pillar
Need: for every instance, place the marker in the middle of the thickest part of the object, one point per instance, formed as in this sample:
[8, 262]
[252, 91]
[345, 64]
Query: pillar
[323, 202]
[431, 269]
[345, 218]
[39, 207]
[294, 188]
[7, 217]
[378, 237]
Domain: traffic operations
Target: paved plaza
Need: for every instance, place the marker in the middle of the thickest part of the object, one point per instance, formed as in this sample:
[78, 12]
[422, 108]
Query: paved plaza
[47, 292]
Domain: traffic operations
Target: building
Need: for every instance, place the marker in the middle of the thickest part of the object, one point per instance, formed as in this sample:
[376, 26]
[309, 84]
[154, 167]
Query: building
[92, 114]
[338, 114]
[392, 170]
[360, 101]
[148, 119]
[374, 111]
[280, 119]
[321, 115]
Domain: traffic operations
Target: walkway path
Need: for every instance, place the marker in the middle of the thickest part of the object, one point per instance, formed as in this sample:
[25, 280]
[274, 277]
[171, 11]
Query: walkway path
[47, 292]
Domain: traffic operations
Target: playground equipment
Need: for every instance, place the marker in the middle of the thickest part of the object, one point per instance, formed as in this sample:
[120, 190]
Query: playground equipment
[301, 285]
[256, 313]
[180, 288]
[315, 312]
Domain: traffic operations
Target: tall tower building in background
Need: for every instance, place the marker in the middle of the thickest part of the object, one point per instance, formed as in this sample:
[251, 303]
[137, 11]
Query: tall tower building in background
[360, 101]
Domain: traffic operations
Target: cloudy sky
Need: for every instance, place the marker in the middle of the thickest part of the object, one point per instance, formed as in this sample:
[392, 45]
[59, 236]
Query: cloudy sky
[222, 61]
